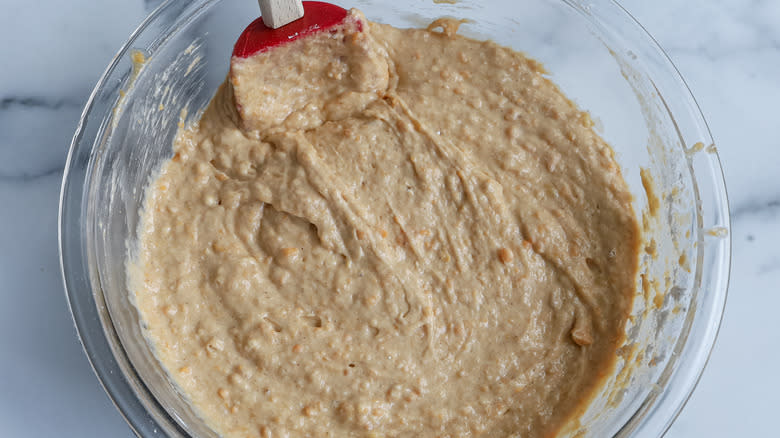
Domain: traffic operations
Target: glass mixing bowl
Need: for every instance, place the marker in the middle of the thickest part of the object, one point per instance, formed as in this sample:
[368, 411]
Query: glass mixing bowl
[595, 51]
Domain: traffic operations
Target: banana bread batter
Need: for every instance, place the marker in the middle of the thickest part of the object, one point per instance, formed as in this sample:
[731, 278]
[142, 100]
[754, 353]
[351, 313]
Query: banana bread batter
[399, 233]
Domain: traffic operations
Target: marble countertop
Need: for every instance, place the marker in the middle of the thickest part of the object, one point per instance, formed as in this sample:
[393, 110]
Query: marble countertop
[53, 52]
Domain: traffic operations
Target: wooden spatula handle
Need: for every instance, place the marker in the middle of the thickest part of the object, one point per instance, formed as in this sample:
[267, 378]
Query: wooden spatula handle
[277, 13]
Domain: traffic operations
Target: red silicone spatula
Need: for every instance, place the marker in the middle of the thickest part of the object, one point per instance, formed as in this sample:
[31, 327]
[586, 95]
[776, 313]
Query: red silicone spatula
[272, 80]
[283, 21]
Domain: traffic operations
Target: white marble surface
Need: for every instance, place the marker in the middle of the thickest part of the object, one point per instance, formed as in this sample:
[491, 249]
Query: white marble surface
[53, 53]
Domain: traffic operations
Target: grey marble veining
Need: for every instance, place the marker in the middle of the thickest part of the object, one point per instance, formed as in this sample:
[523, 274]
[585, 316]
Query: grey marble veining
[53, 52]
[27, 152]
[771, 207]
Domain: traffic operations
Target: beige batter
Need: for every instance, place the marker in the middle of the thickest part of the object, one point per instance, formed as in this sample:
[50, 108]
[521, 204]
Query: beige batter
[398, 233]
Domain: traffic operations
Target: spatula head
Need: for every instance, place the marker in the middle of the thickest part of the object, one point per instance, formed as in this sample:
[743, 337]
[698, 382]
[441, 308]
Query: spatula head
[258, 37]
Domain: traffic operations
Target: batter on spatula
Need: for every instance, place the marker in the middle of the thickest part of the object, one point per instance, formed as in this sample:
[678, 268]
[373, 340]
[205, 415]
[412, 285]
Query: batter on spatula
[432, 242]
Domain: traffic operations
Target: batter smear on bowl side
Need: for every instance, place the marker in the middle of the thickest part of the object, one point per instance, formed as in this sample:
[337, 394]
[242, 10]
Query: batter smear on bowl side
[402, 233]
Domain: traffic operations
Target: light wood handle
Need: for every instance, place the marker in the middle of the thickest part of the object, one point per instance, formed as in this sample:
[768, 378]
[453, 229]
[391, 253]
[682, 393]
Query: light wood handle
[277, 13]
